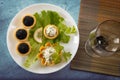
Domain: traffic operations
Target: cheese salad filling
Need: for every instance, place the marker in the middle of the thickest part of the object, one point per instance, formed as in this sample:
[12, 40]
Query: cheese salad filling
[47, 53]
[51, 31]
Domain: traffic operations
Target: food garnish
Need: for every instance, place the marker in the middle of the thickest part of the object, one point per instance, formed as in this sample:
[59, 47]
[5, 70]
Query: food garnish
[38, 35]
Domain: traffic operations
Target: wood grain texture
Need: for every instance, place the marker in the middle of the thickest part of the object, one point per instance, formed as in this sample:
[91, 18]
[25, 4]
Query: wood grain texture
[92, 13]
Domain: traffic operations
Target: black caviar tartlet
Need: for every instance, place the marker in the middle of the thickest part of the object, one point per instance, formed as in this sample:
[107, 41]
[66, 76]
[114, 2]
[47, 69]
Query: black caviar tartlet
[23, 48]
[28, 21]
[21, 34]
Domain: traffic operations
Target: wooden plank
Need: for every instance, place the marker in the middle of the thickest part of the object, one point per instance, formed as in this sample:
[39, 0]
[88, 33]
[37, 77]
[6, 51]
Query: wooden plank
[92, 13]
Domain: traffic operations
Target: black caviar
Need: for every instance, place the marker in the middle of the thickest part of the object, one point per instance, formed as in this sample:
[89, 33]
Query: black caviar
[21, 34]
[23, 48]
[28, 21]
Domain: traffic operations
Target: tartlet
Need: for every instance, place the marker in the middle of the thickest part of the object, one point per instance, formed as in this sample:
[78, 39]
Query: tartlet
[28, 21]
[41, 55]
[23, 48]
[51, 31]
[21, 34]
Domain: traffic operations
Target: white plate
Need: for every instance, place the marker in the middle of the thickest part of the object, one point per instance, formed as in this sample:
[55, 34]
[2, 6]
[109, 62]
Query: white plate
[72, 46]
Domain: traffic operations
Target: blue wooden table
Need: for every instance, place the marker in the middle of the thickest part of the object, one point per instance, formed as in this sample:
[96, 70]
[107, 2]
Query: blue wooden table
[9, 70]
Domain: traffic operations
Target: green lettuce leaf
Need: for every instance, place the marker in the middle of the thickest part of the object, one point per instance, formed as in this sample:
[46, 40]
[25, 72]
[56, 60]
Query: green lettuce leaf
[37, 25]
[66, 55]
[50, 17]
[56, 58]
[64, 38]
[66, 29]
[34, 51]
[58, 48]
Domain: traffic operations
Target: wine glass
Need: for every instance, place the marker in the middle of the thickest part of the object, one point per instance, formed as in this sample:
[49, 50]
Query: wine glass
[104, 40]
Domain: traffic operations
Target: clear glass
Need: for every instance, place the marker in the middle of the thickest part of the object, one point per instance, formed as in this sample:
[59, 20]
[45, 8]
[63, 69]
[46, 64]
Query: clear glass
[104, 40]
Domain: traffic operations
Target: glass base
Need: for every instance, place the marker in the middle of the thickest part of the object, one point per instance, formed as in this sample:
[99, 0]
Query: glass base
[90, 52]
[96, 53]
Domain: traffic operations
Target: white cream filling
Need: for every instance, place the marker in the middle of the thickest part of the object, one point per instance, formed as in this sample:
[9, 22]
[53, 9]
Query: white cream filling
[51, 31]
[47, 53]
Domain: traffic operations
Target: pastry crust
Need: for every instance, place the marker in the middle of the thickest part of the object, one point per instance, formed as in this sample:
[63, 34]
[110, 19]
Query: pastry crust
[25, 53]
[21, 40]
[28, 27]
[49, 37]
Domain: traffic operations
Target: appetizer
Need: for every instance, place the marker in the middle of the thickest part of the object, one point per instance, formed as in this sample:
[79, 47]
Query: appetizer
[50, 54]
[51, 31]
[28, 21]
[45, 54]
[23, 48]
[21, 34]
